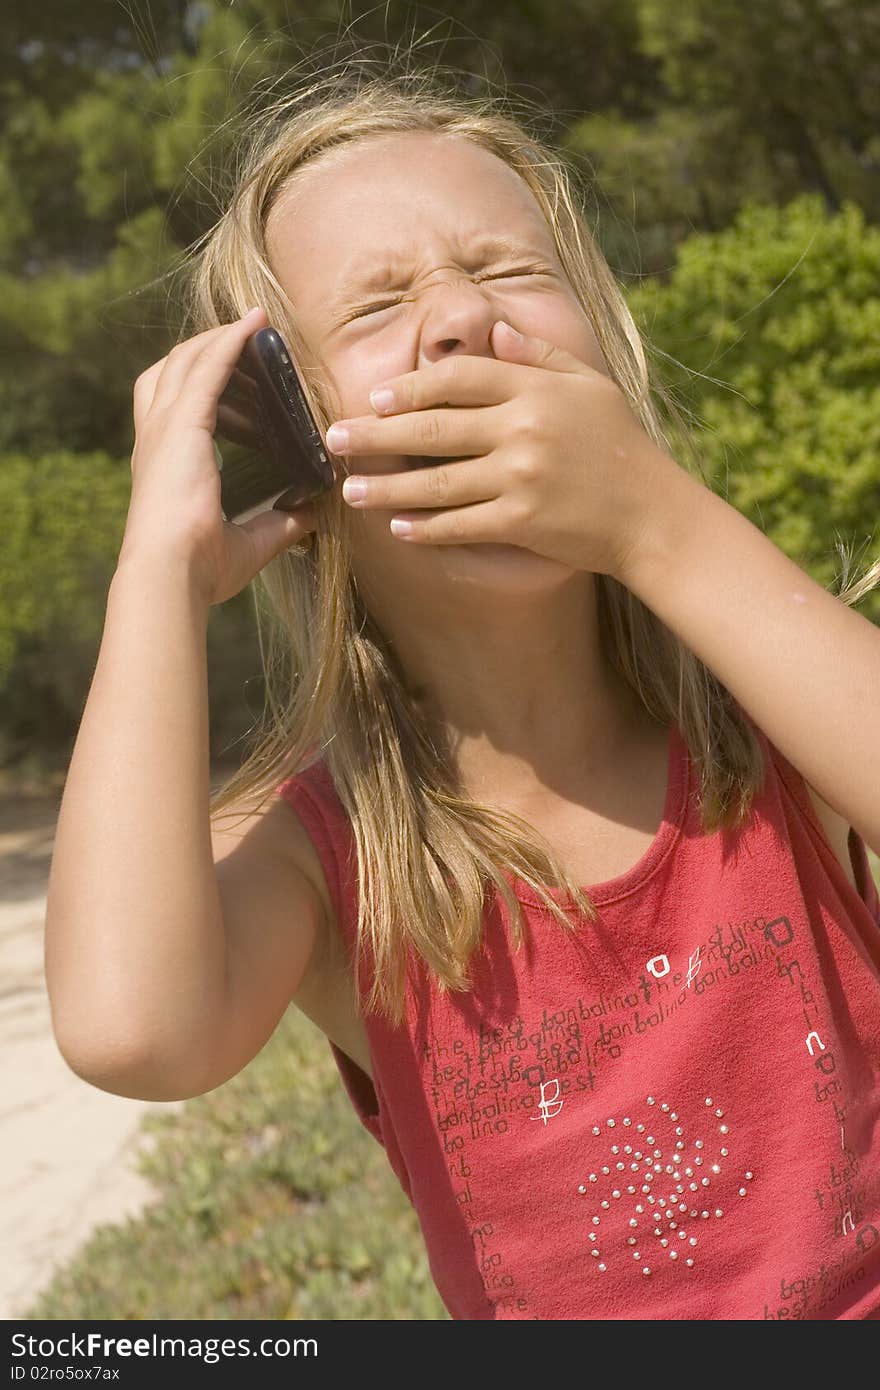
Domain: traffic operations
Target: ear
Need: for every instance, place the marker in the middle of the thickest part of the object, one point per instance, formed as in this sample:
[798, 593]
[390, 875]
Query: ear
[533, 352]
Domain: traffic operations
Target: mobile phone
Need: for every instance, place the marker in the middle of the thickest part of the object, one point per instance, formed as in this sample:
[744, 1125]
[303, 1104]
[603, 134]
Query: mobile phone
[275, 457]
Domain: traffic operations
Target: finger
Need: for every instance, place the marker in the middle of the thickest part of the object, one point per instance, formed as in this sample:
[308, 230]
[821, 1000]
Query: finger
[241, 386]
[218, 348]
[170, 371]
[144, 392]
[199, 392]
[447, 433]
[459, 380]
[474, 525]
[239, 427]
[457, 484]
[273, 531]
[169, 366]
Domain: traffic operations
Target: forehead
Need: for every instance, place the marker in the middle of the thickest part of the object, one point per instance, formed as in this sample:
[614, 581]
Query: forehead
[385, 202]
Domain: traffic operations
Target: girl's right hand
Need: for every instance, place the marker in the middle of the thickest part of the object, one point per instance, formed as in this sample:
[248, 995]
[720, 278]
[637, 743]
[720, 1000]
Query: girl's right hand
[175, 513]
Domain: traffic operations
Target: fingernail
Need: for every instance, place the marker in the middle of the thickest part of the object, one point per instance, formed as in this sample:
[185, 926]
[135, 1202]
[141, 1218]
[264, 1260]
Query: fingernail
[382, 400]
[337, 438]
[353, 490]
[510, 330]
[255, 310]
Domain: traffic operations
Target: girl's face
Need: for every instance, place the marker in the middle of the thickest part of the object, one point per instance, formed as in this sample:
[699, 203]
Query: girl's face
[395, 252]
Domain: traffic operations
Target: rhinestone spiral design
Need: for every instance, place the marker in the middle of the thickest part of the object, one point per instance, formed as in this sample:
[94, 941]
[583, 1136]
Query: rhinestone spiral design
[669, 1156]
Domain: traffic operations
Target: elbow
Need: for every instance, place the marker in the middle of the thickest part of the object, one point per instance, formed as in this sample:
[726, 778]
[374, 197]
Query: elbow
[125, 1071]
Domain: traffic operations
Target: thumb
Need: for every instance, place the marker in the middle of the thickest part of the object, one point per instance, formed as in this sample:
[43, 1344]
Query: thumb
[532, 352]
[272, 532]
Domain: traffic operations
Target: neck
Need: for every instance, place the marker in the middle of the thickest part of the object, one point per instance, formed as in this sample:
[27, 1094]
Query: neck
[521, 701]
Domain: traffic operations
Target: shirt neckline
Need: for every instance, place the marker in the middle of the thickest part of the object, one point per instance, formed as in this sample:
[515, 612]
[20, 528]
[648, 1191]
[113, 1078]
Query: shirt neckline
[669, 831]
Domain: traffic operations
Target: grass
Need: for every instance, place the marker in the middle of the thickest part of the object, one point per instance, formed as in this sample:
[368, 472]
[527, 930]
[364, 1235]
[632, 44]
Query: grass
[272, 1202]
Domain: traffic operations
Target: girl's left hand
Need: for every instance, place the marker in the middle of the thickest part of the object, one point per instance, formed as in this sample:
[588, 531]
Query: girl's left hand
[558, 462]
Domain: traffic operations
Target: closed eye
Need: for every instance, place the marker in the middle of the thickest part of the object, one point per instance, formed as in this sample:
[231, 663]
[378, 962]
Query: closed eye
[373, 309]
[510, 274]
[502, 275]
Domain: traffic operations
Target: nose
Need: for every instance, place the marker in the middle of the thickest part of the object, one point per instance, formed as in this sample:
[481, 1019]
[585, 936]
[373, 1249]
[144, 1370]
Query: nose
[459, 319]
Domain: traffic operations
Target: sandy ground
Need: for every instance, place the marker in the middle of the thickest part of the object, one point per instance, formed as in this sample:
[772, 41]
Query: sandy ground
[67, 1150]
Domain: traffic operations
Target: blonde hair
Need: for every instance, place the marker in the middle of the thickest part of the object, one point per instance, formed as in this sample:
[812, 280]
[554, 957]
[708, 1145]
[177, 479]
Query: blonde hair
[425, 853]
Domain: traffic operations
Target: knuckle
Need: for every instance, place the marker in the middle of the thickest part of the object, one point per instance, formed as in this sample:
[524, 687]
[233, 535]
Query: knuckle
[145, 379]
[429, 430]
[528, 426]
[524, 466]
[437, 482]
[147, 426]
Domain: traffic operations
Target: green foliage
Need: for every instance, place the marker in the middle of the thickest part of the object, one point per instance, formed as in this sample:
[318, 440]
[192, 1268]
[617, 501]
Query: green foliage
[749, 102]
[106, 132]
[63, 515]
[272, 1202]
[117, 141]
[775, 325]
[664, 176]
[807, 67]
[67, 346]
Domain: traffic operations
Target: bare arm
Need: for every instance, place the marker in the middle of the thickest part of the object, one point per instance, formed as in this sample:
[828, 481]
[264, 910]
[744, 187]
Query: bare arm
[136, 942]
[134, 947]
[803, 664]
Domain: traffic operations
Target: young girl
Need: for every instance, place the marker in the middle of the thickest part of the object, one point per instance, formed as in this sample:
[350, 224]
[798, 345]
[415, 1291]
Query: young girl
[655, 1096]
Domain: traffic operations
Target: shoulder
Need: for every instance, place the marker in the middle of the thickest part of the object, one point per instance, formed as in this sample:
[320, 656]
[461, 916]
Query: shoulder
[301, 816]
[281, 843]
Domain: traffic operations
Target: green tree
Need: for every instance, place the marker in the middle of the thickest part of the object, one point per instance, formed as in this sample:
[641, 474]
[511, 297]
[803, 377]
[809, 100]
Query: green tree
[117, 120]
[768, 333]
[757, 103]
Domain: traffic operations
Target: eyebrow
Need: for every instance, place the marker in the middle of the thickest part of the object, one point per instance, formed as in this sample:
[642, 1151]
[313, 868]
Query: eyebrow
[363, 277]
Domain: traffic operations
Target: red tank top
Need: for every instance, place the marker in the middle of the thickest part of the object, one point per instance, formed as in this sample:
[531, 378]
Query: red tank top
[673, 1114]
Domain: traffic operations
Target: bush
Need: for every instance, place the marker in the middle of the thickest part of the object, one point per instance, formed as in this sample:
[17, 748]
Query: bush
[769, 334]
[64, 517]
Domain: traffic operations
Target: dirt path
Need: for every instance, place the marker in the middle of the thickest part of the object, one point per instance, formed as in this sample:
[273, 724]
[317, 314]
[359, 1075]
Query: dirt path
[67, 1150]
